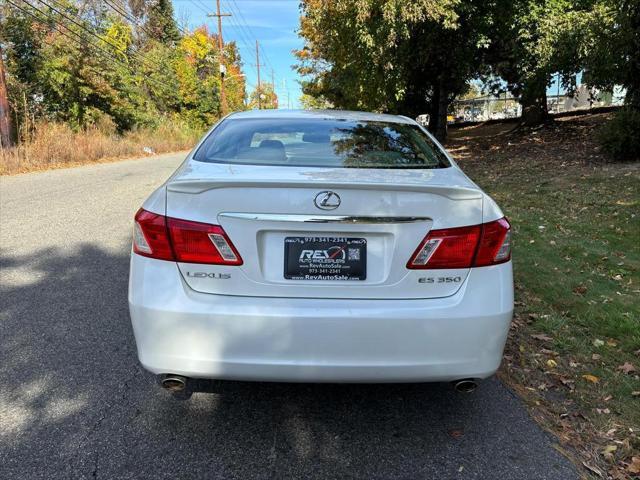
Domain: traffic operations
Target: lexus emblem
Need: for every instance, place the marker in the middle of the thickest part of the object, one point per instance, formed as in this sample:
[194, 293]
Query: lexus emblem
[327, 200]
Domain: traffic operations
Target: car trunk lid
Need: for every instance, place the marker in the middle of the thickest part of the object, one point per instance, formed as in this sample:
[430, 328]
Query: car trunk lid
[267, 212]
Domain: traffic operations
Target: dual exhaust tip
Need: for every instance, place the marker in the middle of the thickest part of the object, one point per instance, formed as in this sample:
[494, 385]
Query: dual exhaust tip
[174, 383]
[466, 385]
[178, 384]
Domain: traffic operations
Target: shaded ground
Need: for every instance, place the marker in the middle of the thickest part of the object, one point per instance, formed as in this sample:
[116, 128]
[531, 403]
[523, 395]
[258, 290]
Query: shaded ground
[574, 348]
[76, 404]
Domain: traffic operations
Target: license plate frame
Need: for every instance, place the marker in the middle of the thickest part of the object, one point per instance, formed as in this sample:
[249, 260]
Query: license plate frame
[325, 258]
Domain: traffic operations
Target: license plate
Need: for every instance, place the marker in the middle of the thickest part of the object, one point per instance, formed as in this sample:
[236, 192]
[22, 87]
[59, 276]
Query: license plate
[325, 258]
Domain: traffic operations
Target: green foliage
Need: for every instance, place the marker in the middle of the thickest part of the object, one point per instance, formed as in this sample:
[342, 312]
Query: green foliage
[415, 57]
[82, 66]
[620, 137]
[309, 102]
[160, 24]
[605, 41]
[392, 56]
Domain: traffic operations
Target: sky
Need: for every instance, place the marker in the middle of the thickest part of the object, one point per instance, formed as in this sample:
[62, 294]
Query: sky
[272, 22]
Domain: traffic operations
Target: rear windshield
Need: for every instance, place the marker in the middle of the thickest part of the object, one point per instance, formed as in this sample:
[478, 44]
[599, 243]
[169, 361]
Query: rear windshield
[321, 143]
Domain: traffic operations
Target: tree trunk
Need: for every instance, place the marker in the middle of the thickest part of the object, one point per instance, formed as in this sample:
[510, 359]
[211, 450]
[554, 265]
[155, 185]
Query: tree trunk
[443, 108]
[6, 130]
[439, 110]
[433, 111]
[534, 101]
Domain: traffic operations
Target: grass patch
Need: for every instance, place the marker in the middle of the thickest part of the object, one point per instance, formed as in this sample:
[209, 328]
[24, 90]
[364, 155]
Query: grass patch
[574, 348]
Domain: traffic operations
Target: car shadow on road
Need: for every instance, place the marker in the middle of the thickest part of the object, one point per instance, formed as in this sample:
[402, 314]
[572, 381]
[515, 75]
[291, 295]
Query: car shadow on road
[76, 403]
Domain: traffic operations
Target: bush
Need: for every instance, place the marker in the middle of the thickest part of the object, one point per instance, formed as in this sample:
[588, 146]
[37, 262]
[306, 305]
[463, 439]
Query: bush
[620, 136]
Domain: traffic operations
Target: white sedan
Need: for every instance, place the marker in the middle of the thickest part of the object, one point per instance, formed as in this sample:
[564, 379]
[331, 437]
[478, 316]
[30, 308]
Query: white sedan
[320, 246]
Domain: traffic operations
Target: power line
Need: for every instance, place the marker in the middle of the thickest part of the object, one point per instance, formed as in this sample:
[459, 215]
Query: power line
[219, 15]
[124, 14]
[83, 41]
[234, 6]
[246, 47]
[144, 60]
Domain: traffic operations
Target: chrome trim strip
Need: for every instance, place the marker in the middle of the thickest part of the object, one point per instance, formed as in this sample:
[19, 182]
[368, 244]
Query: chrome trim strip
[278, 217]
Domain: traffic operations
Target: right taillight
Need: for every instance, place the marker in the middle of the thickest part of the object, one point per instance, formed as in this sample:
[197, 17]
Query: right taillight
[464, 247]
[179, 240]
[495, 243]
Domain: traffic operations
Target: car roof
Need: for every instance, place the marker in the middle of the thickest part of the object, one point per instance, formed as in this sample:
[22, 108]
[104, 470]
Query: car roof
[323, 114]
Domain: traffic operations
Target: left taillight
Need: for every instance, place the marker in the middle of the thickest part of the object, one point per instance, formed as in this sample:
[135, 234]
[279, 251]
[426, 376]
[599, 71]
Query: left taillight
[185, 241]
[150, 236]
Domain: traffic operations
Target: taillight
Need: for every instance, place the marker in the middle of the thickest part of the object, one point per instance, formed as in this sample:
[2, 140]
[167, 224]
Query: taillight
[165, 238]
[495, 244]
[195, 242]
[150, 236]
[464, 247]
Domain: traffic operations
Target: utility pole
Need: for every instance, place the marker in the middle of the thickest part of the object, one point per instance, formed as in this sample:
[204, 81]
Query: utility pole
[284, 85]
[223, 97]
[259, 85]
[5, 115]
[274, 103]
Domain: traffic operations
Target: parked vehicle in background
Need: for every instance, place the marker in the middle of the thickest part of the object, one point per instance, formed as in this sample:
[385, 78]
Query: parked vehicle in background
[320, 246]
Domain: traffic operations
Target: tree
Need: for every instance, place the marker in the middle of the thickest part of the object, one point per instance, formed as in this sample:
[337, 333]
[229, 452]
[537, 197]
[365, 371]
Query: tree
[160, 22]
[393, 56]
[607, 38]
[524, 50]
[314, 103]
[268, 99]
[84, 64]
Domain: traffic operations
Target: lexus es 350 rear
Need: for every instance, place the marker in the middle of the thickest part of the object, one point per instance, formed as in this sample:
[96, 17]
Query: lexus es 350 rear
[321, 247]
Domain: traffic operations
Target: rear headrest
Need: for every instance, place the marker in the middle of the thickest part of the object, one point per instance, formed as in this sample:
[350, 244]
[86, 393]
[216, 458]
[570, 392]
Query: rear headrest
[277, 144]
[316, 137]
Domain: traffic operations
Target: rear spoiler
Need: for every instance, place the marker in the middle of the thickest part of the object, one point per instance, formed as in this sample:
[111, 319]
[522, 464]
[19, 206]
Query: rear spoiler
[196, 186]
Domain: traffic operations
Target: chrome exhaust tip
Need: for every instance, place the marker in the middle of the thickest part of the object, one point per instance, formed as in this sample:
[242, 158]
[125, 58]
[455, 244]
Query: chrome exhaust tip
[466, 385]
[174, 383]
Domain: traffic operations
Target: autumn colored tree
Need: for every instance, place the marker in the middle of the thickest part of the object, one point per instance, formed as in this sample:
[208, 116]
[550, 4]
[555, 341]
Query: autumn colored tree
[84, 64]
[263, 97]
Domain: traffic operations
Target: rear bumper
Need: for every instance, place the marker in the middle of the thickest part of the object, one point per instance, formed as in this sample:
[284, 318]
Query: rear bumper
[201, 335]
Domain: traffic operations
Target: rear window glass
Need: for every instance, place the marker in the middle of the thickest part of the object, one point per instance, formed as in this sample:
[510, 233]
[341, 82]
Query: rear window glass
[321, 143]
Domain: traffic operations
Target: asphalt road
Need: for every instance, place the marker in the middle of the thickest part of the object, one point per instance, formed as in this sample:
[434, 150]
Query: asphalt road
[74, 402]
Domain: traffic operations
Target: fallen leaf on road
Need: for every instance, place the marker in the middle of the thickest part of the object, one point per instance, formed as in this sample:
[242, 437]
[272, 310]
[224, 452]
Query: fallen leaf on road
[458, 433]
[627, 368]
[591, 378]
